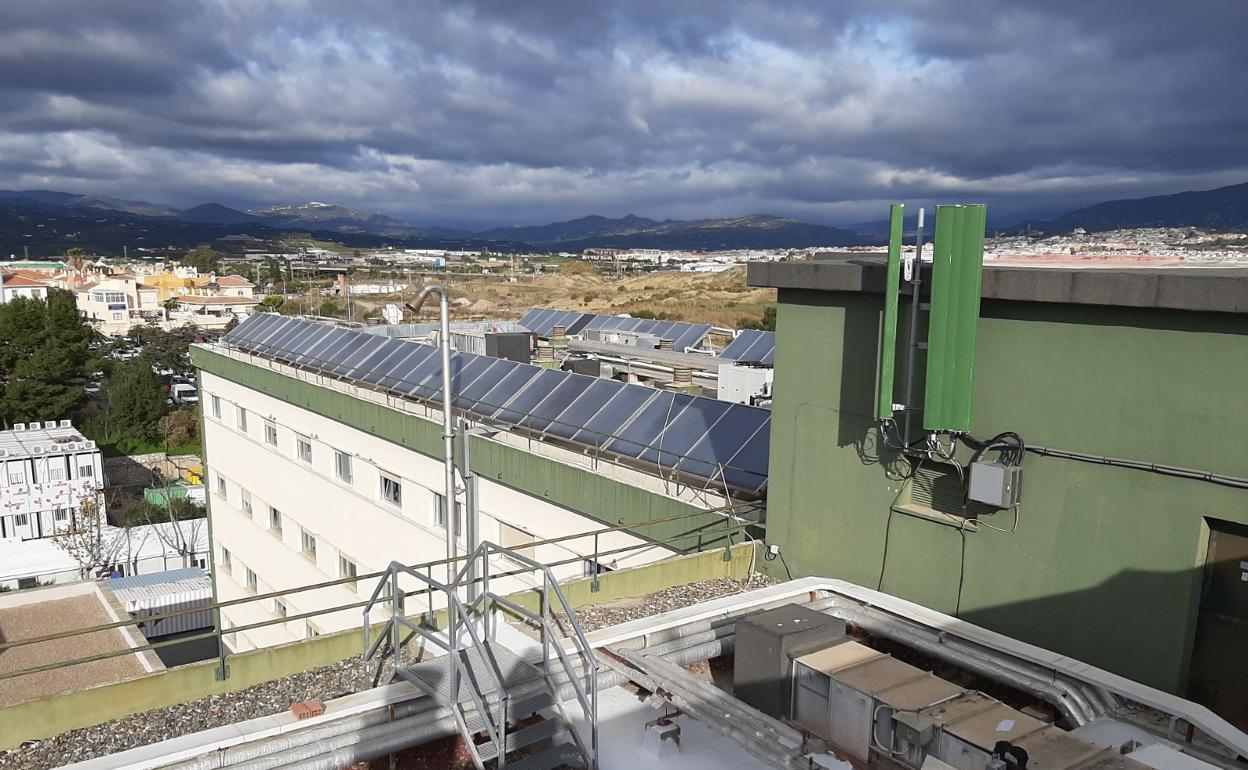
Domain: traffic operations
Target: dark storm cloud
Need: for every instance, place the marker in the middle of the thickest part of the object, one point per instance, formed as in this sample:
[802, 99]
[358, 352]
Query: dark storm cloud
[508, 111]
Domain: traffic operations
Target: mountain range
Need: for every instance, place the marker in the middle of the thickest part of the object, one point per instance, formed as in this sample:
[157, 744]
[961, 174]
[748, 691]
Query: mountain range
[50, 221]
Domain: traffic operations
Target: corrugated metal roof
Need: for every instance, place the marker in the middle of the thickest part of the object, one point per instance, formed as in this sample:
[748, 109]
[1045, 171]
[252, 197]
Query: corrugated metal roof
[155, 584]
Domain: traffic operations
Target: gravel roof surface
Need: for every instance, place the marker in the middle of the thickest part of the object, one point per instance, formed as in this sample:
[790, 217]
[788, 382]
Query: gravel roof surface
[322, 683]
[41, 618]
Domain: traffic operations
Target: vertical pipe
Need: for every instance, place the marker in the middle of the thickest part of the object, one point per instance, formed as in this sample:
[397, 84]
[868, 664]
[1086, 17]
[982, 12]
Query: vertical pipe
[915, 284]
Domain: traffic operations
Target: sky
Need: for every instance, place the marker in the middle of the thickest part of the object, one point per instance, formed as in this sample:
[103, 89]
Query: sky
[474, 113]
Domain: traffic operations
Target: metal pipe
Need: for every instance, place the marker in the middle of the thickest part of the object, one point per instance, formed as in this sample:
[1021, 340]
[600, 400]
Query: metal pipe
[448, 428]
[915, 283]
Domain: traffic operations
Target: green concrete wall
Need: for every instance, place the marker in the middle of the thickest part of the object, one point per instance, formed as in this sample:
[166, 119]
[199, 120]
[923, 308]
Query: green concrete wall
[1104, 563]
[56, 714]
[606, 500]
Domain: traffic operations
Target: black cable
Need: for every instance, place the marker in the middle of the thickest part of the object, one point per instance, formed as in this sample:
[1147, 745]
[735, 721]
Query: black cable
[786, 564]
[888, 524]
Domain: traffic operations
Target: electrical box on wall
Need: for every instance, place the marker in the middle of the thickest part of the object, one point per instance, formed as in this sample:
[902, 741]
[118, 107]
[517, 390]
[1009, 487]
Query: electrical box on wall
[996, 484]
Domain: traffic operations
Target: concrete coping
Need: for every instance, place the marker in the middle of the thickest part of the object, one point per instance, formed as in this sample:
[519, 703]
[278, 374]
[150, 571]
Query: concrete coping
[1215, 289]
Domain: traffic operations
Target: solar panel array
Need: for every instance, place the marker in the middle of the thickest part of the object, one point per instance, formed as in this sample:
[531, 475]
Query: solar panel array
[542, 321]
[720, 442]
[752, 346]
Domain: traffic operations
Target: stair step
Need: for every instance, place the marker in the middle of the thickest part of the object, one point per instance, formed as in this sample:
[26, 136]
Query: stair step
[525, 736]
[559, 755]
[434, 675]
[516, 709]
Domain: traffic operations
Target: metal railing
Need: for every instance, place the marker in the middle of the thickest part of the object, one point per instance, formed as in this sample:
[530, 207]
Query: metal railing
[731, 525]
[589, 675]
[458, 669]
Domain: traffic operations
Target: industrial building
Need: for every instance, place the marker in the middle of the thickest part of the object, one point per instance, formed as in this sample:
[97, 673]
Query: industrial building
[324, 460]
[1123, 387]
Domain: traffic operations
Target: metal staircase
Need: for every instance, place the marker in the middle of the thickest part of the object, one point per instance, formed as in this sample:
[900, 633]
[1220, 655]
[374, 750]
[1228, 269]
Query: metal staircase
[487, 687]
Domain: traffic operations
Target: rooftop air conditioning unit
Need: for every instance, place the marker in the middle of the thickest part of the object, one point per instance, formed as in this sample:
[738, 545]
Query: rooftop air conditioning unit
[50, 424]
[38, 450]
[89, 445]
[4, 453]
[65, 423]
[19, 426]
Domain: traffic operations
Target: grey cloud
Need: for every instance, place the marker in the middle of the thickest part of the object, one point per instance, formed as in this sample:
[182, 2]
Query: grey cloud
[514, 112]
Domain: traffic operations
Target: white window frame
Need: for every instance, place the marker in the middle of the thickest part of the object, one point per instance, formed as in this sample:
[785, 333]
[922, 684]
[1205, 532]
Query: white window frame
[305, 538]
[279, 608]
[390, 489]
[241, 419]
[303, 448]
[216, 407]
[439, 514]
[347, 567]
[227, 561]
[86, 471]
[270, 433]
[222, 489]
[275, 521]
[251, 580]
[245, 501]
[342, 466]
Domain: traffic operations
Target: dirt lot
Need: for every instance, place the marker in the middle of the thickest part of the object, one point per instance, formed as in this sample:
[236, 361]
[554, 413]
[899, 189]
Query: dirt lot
[722, 299]
[38, 619]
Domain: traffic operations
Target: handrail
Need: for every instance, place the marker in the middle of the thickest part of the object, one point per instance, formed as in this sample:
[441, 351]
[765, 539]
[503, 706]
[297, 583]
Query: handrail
[588, 702]
[379, 573]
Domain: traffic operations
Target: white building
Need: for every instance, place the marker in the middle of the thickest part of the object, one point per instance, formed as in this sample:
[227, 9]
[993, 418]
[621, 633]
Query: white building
[45, 472]
[138, 550]
[22, 284]
[312, 478]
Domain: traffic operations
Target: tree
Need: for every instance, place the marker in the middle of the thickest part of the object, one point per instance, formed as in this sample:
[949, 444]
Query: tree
[203, 259]
[330, 308]
[88, 539]
[135, 400]
[179, 522]
[164, 350]
[77, 258]
[43, 357]
[179, 427]
[271, 303]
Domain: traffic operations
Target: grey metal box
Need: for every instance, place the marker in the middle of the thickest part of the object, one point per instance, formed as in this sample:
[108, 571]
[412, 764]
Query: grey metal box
[514, 346]
[589, 366]
[995, 484]
[766, 644]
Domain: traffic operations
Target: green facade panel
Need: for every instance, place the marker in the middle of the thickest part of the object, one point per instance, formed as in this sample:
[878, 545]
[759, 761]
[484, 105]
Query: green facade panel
[957, 270]
[888, 331]
[1102, 564]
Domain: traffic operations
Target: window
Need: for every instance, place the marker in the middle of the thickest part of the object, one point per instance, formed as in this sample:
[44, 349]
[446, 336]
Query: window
[17, 476]
[246, 501]
[221, 485]
[439, 514]
[253, 583]
[342, 466]
[275, 521]
[347, 568]
[270, 433]
[279, 608]
[61, 514]
[310, 631]
[309, 545]
[117, 316]
[115, 297]
[591, 568]
[242, 419]
[303, 448]
[86, 471]
[56, 474]
[20, 520]
[216, 407]
[225, 560]
[391, 490]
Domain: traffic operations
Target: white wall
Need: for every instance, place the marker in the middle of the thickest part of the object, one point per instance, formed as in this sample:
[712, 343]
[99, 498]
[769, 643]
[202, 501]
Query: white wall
[346, 519]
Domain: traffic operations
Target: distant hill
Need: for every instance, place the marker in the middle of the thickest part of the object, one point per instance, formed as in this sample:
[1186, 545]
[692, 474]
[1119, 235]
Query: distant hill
[331, 216]
[633, 232]
[215, 213]
[75, 200]
[1225, 208]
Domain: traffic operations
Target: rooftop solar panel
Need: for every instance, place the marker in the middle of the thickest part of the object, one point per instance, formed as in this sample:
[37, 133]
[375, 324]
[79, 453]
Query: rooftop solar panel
[753, 346]
[716, 441]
